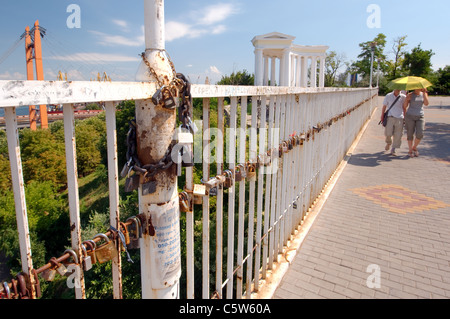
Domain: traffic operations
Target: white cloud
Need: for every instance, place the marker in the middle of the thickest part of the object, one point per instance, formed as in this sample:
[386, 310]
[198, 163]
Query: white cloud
[215, 70]
[120, 23]
[15, 76]
[216, 13]
[111, 40]
[94, 57]
[202, 21]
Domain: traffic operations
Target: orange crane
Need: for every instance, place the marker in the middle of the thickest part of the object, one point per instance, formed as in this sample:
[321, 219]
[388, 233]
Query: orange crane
[33, 45]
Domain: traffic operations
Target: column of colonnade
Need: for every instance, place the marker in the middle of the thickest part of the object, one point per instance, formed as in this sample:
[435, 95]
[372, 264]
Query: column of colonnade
[295, 70]
[298, 66]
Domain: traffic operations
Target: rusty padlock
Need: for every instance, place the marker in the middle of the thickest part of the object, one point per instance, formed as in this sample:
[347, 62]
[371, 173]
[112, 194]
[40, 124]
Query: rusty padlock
[106, 251]
[169, 98]
[240, 173]
[24, 292]
[49, 274]
[184, 202]
[251, 172]
[136, 231]
[228, 179]
[91, 251]
[125, 233]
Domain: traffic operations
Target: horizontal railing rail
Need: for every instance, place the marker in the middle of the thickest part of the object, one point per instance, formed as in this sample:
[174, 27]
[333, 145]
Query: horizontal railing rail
[296, 139]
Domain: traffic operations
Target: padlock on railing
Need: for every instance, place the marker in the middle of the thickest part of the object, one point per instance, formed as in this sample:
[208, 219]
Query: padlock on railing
[123, 228]
[169, 98]
[24, 292]
[106, 251]
[49, 274]
[158, 97]
[75, 265]
[132, 183]
[228, 183]
[136, 231]
[87, 260]
[240, 173]
[6, 291]
[184, 202]
[60, 268]
[251, 172]
[198, 193]
[91, 251]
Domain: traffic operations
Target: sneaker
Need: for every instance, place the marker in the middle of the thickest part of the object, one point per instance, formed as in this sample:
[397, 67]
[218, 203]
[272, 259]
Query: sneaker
[387, 147]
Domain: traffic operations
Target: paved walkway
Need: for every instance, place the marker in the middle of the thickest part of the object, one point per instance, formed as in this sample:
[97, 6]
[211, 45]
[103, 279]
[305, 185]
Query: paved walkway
[384, 231]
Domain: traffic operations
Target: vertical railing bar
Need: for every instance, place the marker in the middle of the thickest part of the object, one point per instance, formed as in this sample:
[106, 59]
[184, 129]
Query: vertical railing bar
[15, 161]
[72, 185]
[298, 162]
[273, 241]
[219, 213]
[293, 162]
[205, 217]
[267, 202]
[251, 206]
[286, 173]
[241, 211]
[231, 197]
[190, 283]
[113, 184]
[281, 179]
[260, 176]
[253, 151]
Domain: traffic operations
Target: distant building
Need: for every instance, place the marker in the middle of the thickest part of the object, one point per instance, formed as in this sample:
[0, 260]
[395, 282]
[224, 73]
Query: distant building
[298, 64]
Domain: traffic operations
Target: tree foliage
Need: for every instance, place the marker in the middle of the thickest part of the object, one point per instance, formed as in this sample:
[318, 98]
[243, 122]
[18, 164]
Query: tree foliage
[237, 78]
[418, 62]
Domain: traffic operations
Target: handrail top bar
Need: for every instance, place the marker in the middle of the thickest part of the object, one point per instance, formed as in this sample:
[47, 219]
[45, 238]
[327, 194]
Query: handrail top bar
[206, 91]
[22, 93]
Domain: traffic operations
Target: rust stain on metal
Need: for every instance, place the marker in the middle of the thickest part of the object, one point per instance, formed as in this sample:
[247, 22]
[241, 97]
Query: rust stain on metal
[151, 229]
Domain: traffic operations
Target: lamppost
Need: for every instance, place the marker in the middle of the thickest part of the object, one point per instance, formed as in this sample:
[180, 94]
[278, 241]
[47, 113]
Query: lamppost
[378, 72]
[372, 48]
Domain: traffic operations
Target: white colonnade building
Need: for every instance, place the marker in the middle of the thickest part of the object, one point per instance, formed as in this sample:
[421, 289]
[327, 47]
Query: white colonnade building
[297, 64]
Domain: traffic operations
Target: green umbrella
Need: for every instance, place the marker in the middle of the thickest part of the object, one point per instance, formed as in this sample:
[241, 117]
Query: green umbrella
[409, 83]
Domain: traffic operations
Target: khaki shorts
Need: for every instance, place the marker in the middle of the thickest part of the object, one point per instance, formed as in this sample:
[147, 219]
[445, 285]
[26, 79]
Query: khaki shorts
[415, 124]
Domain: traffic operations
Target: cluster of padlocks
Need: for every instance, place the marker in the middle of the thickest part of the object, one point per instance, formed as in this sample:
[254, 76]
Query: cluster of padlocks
[102, 248]
[248, 171]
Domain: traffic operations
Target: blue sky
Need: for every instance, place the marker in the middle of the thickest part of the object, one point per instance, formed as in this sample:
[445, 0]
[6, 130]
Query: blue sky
[209, 37]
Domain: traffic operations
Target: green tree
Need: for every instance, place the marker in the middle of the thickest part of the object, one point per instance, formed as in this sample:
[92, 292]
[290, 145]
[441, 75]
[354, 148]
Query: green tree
[362, 65]
[398, 49]
[43, 157]
[333, 63]
[443, 82]
[88, 138]
[418, 62]
[237, 78]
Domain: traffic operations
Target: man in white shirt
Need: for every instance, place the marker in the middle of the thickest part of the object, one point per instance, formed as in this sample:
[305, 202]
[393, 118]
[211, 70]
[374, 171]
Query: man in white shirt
[394, 127]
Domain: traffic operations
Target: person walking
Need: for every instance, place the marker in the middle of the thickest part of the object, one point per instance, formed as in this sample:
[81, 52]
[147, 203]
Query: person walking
[394, 103]
[415, 118]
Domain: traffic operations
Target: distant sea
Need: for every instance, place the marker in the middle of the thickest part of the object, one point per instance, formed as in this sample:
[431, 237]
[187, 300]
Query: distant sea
[21, 110]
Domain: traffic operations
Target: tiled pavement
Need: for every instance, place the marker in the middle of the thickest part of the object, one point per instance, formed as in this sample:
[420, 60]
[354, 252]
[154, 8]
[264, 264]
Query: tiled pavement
[384, 231]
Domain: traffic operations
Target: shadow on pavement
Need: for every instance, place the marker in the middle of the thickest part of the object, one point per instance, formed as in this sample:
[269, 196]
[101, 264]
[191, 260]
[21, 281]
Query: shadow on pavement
[373, 160]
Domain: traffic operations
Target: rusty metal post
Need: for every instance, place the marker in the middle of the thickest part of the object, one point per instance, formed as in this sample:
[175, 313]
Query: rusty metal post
[160, 249]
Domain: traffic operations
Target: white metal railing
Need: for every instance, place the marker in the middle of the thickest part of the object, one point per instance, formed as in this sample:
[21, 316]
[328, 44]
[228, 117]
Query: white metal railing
[324, 120]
